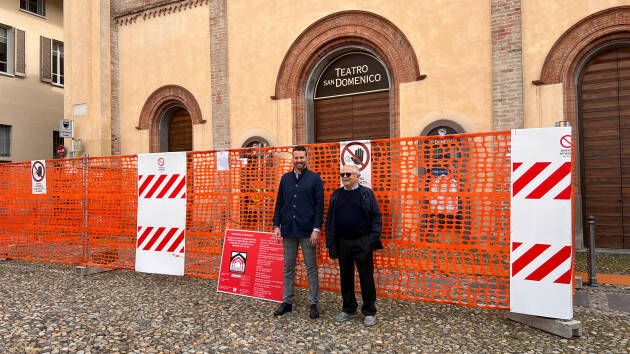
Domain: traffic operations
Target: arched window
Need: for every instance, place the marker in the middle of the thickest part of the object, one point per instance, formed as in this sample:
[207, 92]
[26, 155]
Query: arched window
[175, 130]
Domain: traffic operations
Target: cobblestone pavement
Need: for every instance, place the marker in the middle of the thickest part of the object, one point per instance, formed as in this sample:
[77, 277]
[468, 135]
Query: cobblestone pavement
[47, 308]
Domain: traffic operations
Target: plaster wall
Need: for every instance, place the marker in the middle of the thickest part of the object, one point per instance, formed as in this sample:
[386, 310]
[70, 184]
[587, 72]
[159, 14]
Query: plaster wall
[31, 107]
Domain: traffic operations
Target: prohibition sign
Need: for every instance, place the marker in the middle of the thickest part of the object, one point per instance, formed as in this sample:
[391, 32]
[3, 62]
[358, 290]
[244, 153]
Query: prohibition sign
[346, 149]
[38, 167]
[565, 141]
[160, 162]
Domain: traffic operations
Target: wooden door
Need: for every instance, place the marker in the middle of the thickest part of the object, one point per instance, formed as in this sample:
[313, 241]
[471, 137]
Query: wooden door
[355, 117]
[180, 131]
[604, 98]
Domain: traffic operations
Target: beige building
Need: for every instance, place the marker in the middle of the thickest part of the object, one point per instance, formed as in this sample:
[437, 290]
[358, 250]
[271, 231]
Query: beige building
[31, 78]
[169, 75]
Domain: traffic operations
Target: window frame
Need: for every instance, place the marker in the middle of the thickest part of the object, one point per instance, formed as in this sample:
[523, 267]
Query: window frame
[10, 50]
[41, 8]
[54, 70]
[9, 128]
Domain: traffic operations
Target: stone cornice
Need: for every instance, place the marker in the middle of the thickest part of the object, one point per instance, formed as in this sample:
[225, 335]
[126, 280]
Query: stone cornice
[159, 8]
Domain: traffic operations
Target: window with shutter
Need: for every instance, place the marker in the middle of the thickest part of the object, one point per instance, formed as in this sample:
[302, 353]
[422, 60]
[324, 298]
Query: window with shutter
[57, 63]
[20, 52]
[6, 50]
[45, 62]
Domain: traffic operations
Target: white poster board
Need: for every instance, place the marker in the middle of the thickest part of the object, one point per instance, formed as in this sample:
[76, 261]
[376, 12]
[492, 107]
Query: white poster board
[357, 153]
[161, 234]
[38, 177]
[541, 247]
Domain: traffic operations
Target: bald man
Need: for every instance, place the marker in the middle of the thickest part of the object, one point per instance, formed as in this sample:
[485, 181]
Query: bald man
[353, 231]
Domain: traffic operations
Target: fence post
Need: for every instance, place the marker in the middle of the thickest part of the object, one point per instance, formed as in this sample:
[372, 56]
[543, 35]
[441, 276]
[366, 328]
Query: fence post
[84, 233]
[592, 267]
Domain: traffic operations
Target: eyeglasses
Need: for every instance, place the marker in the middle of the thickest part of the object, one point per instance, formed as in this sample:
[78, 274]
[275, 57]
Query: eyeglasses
[346, 174]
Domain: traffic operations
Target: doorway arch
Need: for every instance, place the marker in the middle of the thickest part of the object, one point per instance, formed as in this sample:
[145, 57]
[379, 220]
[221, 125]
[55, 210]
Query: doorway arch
[161, 101]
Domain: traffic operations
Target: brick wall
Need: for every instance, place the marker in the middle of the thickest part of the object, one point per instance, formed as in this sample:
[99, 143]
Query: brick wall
[507, 65]
[115, 77]
[219, 83]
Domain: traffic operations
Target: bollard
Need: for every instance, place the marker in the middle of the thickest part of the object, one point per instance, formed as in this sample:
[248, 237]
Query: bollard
[592, 268]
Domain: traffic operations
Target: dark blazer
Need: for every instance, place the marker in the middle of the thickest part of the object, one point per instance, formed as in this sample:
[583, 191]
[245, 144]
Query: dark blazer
[299, 204]
[370, 208]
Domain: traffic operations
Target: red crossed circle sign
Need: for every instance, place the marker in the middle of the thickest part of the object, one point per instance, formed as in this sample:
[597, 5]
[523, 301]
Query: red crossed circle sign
[565, 141]
[346, 151]
[38, 171]
[160, 162]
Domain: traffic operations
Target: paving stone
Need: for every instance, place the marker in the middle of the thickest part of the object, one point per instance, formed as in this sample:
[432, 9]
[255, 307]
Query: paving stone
[45, 307]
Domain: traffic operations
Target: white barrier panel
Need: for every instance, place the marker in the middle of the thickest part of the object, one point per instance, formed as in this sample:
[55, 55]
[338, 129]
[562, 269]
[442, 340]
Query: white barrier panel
[357, 153]
[161, 213]
[541, 230]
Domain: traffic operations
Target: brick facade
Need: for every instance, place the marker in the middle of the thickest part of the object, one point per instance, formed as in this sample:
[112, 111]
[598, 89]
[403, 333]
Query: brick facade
[507, 65]
[219, 82]
[115, 85]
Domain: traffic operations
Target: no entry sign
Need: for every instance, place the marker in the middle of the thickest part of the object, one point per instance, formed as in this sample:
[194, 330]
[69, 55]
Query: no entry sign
[358, 153]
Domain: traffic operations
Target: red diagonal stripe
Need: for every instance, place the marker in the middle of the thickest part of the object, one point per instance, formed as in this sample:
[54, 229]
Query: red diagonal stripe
[564, 278]
[515, 245]
[527, 257]
[156, 185]
[516, 165]
[528, 176]
[139, 177]
[167, 186]
[177, 242]
[178, 188]
[565, 194]
[146, 233]
[167, 238]
[551, 264]
[145, 184]
[550, 182]
[154, 239]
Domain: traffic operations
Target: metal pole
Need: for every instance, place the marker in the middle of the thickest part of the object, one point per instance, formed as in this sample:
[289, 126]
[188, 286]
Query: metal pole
[592, 268]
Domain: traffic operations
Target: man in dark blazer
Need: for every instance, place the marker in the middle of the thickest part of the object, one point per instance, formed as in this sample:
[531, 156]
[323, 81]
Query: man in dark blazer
[297, 221]
[353, 231]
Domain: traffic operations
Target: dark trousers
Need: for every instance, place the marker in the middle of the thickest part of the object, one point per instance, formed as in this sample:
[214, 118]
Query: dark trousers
[357, 252]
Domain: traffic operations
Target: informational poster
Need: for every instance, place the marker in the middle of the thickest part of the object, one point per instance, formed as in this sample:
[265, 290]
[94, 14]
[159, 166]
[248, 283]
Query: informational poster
[252, 265]
[223, 160]
[38, 177]
[358, 153]
[541, 237]
[161, 237]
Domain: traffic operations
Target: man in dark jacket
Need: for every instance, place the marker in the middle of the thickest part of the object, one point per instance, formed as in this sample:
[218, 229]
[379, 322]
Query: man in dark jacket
[297, 220]
[353, 231]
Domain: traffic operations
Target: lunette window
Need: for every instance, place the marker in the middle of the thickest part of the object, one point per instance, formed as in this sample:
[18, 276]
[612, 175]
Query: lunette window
[5, 140]
[35, 6]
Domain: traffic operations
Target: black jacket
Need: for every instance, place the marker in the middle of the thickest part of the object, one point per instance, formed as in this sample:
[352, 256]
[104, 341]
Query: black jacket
[299, 204]
[371, 212]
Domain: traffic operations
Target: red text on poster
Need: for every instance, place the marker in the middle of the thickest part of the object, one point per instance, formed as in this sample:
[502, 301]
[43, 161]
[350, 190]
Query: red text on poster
[251, 265]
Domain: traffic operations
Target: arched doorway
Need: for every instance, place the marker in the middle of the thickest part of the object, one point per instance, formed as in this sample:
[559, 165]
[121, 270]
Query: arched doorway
[604, 124]
[351, 98]
[176, 130]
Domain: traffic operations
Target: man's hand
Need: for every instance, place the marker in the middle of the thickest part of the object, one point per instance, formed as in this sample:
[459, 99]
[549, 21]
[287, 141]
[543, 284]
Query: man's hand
[277, 235]
[314, 238]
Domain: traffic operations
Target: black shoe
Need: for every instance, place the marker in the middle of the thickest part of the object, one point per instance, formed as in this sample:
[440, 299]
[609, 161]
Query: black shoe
[314, 311]
[284, 308]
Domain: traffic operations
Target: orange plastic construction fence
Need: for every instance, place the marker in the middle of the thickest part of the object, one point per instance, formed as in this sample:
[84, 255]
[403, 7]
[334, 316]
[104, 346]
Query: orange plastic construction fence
[445, 203]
